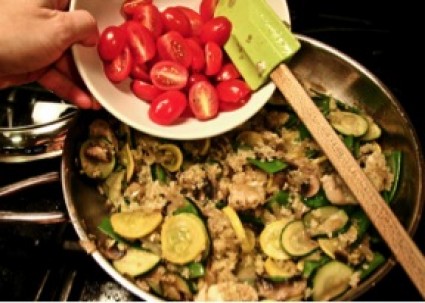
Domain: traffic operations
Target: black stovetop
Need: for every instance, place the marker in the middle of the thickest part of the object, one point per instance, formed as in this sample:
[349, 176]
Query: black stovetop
[39, 262]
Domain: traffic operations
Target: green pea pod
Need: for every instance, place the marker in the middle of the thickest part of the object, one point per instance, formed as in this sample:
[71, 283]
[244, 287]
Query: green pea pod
[270, 167]
[196, 270]
[158, 173]
[310, 266]
[105, 227]
[394, 161]
[318, 200]
[378, 260]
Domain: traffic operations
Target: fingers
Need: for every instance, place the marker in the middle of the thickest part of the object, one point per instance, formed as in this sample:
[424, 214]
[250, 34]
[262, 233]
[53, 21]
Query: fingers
[52, 4]
[19, 79]
[63, 87]
[79, 27]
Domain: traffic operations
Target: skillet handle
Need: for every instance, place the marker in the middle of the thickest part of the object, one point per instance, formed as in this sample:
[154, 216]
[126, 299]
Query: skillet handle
[40, 217]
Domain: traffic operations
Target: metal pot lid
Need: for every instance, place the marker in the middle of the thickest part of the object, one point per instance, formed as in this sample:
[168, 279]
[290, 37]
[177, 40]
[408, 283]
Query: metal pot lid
[33, 123]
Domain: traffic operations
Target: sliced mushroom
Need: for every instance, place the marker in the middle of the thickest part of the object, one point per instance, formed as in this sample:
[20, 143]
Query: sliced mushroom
[336, 191]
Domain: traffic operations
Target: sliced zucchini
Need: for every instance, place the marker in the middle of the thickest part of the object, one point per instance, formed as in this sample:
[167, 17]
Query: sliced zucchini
[373, 130]
[113, 185]
[295, 240]
[331, 280]
[136, 262]
[128, 161]
[270, 239]
[97, 158]
[280, 271]
[100, 128]
[237, 227]
[136, 224]
[183, 238]
[348, 123]
[329, 246]
[325, 221]
[171, 158]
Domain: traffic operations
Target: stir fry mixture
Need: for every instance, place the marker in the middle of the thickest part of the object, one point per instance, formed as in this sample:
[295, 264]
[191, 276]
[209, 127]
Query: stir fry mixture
[257, 213]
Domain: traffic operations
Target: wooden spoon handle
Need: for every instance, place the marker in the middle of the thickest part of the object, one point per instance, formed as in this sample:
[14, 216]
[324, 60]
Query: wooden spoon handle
[382, 217]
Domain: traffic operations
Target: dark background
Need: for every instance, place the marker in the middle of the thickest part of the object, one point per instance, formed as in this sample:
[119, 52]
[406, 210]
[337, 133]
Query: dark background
[388, 38]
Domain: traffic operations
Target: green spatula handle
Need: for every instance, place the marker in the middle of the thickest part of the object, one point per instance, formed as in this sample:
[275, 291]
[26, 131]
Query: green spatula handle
[382, 217]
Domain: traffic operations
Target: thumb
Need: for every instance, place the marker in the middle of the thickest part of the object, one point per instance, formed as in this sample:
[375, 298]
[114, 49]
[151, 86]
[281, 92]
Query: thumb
[79, 26]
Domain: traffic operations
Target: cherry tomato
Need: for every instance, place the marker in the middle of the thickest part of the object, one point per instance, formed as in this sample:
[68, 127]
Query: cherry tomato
[144, 90]
[203, 100]
[228, 106]
[175, 20]
[207, 8]
[213, 58]
[228, 72]
[111, 43]
[194, 78]
[140, 40]
[129, 6]
[233, 91]
[172, 46]
[217, 29]
[150, 17]
[169, 75]
[198, 55]
[194, 18]
[139, 71]
[166, 108]
[119, 69]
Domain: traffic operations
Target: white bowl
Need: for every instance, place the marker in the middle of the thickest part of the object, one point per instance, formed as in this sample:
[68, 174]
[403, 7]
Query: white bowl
[125, 106]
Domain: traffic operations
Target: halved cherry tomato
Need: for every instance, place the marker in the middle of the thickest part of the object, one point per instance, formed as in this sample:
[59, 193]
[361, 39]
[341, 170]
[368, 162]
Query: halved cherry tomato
[217, 29]
[213, 58]
[129, 6]
[175, 20]
[172, 46]
[150, 17]
[203, 100]
[169, 75]
[119, 69]
[111, 42]
[228, 72]
[166, 108]
[139, 71]
[198, 55]
[194, 18]
[140, 40]
[144, 90]
[207, 8]
[233, 91]
[195, 78]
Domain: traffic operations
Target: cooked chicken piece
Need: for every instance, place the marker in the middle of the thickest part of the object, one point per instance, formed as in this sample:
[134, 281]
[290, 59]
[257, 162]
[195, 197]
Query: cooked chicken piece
[247, 190]
[336, 191]
[228, 291]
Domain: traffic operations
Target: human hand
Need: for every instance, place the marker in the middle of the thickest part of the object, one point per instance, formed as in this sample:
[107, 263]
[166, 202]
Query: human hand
[35, 37]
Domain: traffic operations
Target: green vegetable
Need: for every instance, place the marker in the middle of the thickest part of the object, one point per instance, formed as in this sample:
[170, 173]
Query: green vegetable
[196, 270]
[270, 167]
[188, 207]
[361, 222]
[310, 266]
[368, 268]
[136, 262]
[97, 158]
[279, 199]
[318, 200]
[394, 160]
[323, 103]
[105, 227]
[295, 240]
[325, 221]
[331, 280]
[348, 123]
[158, 173]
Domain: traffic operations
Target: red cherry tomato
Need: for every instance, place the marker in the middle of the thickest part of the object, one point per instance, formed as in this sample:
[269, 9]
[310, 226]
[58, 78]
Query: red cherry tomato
[129, 6]
[144, 90]
[213, 58]
[217, 29]
[169, 75]
[175, 20]
[194, 18]
[228, 72]
[111, 42]
[119, 69]
[228, 106]
[150, 17]
[140, 40]
[166, 108]
[198, 55]
[140, 72]
[203, 100]
[207, 8]
[233, 91]
[172, 46]
[195, 78]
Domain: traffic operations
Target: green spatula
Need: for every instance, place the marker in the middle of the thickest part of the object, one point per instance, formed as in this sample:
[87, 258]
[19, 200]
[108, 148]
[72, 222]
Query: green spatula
[259, 46]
